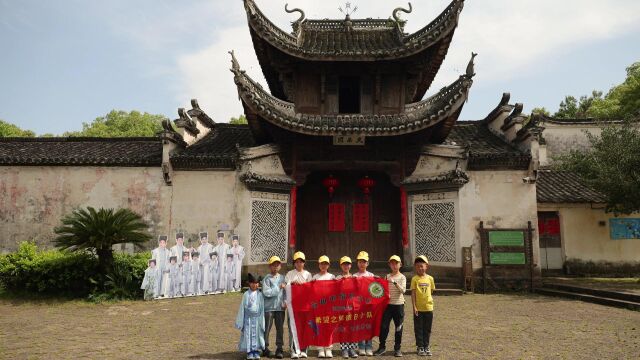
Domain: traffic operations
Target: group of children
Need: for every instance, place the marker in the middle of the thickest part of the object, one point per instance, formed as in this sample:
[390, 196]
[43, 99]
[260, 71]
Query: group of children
[260, 310]
[188, 271]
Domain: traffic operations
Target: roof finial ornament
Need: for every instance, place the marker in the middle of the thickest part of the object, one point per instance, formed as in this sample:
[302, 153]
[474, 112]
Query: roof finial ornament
[235, 67]
[470, 68]
[295, 24]
[396, 16]
[348, 11]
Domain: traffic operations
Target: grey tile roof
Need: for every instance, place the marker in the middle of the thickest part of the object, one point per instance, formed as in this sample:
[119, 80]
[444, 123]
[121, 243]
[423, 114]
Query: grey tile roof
[486, 150]
[81, 151]
[558, 187]
[218, 149]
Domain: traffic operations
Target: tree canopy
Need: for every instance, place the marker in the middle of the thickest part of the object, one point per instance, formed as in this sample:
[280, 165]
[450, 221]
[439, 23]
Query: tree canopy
[611, 165]
[118, 123]
[11, 130]
[239, 120]
[621, 102]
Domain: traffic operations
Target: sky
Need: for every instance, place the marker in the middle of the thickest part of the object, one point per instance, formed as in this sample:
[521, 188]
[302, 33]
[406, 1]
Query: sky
[66, 62]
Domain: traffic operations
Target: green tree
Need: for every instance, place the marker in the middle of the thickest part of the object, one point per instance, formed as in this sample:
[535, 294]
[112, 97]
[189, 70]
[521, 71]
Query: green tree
[239, 120]
[611, 165]
[121, 124]
[11, 130]
[98, 230]
[572, 108]
[622, 101]
[540, 111]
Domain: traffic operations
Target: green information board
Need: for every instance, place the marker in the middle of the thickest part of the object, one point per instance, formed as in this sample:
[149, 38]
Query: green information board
[507, 258]
[506, 238]
[384, 227]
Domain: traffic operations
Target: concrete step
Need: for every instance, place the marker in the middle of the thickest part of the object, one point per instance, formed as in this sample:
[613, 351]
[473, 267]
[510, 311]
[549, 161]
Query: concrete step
[632, 305]
[620, 295]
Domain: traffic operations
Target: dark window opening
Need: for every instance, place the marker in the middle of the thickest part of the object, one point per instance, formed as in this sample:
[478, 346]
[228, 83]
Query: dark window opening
[349, 95]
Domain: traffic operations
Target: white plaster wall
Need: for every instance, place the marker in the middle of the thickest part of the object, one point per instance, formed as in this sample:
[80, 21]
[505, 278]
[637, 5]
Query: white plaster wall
[501, 200]
[584, 239]
[561, 139]
[34, 199]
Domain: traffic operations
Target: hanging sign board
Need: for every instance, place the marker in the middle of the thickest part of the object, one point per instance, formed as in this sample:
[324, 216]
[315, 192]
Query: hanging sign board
[361, 217]
[384, 227]
[349, 140]
[506, 238]
[507, 258]
[336, 217]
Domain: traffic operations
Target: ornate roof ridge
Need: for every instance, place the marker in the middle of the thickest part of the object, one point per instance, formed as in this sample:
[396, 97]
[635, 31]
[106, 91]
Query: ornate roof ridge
[417, 116]
[406, 45]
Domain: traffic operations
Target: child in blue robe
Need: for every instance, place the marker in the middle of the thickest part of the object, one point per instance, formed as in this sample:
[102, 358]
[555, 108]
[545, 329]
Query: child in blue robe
[250, 320]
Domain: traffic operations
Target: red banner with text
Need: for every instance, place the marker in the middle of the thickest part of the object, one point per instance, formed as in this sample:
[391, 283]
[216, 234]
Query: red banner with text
[333, 311]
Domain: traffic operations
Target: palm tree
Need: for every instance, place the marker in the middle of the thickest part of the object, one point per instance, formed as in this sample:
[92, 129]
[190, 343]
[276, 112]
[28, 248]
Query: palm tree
[88, 229]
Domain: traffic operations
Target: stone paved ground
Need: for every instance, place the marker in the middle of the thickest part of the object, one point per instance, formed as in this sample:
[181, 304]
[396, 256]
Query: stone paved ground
[465, 327]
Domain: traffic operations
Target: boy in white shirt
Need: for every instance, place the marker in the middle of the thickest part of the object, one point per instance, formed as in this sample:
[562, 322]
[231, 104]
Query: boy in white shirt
[297, 276]
[395, 309]
[323, 275]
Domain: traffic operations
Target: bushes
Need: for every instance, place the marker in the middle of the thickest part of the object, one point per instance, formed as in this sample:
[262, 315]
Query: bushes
[30, 271]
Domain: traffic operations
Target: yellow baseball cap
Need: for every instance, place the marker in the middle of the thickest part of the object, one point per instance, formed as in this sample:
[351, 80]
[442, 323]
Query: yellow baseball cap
[363, 255]
[395, 258]
[345, 259]
[324, 258]
[422, 258]
[299, 255]
[274, 259]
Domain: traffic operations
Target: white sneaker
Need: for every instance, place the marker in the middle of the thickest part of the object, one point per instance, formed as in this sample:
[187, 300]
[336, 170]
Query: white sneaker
[303, 354]
[328, 354]
[321, 354]
[362, 352]
[294, 355]
[369, 352]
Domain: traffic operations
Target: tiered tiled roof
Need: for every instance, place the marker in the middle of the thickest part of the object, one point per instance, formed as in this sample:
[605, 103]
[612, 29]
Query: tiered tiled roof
[554, 186]
[485, 149]
[81, 151]
[218, 149]
[446, 104]
[364, 40]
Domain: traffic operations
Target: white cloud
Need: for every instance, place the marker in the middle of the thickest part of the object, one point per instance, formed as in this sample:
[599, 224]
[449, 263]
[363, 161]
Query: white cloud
[512, 37]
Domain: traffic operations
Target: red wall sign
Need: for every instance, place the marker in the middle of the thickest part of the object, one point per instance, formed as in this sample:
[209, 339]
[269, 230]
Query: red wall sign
[361, 217]
[336, 217]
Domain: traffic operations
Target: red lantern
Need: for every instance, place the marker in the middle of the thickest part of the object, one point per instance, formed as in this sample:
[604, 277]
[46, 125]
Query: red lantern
[365, 184]
[331, 184]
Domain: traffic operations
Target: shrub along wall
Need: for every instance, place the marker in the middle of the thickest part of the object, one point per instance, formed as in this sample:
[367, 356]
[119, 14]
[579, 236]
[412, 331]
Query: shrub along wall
[30, 270]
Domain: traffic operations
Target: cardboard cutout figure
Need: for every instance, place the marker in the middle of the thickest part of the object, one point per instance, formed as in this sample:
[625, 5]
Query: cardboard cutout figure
[173, 289]
[196, 274]
[238, 256]
[161, 254]
[178, 248]
[222, 249]
[185, 273]
[151, 281]
[215, 271]
[230, 272]
[205, 249]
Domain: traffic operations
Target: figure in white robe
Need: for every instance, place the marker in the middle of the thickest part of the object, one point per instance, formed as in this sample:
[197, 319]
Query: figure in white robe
[178, 249]
[161, 254]
[214, 268]
[185, 273]
[196, 275]
[205, 249]
[250, 320]
[238, 256]
[222, 249]
[151, 281]
[173, 289]
[230, 273]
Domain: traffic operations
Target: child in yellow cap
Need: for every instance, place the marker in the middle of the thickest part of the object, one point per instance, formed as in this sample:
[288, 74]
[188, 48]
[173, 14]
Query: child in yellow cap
[395, 309]
[273, 286]
[323, 275]
[297, 276]
[364, 347]
[422, 287]
[348, 349]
